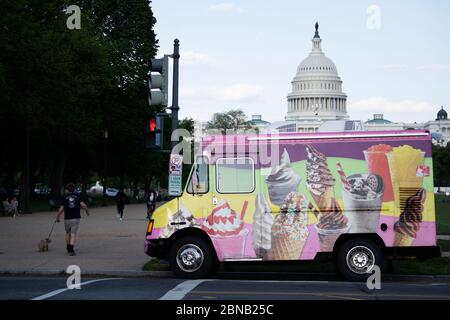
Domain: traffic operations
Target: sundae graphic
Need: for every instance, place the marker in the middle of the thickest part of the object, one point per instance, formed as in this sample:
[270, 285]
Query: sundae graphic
[183, 218]
[362, 195]
[319, 180]
[331, 224]
[289, 230]
[262, 227]
[282, 180]
[409, 223]
[227, 231]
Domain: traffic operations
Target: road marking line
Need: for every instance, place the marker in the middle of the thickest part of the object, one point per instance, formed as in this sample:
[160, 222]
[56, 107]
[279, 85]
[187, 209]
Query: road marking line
[56, 292]
[181, 290]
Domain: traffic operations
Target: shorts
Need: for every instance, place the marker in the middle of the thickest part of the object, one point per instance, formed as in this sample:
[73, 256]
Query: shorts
[71, 225]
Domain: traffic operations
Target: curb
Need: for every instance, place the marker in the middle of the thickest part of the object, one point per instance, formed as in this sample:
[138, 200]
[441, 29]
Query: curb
[90, 273]
[222, 275]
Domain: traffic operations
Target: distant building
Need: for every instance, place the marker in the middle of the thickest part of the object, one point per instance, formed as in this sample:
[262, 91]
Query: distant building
[439, 128]
[259, 123]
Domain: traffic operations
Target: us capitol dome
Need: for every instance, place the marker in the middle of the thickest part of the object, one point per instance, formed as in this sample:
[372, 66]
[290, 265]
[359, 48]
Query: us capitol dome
[317, 88]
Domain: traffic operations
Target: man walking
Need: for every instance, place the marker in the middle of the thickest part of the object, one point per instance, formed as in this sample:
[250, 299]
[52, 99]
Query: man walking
[71, 205]
[120, 202]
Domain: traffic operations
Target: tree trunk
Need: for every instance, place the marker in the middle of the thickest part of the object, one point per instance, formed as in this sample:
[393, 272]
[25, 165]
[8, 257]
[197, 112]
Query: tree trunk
[25, 183]
[58, 184]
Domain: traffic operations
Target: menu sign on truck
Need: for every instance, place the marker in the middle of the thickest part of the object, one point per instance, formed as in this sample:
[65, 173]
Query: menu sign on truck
[175, 174]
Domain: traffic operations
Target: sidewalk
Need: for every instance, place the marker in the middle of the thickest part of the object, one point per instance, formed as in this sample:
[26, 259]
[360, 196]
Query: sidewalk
[104, 243]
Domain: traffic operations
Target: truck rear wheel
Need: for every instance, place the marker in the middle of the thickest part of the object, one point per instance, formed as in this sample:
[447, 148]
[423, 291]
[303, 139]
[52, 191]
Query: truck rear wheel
[191, 257]
[356, 259]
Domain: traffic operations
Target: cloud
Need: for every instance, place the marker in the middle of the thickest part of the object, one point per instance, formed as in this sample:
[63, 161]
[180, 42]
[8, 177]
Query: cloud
[240, 92]
[393, 66]
[191, 58]
[221, 7]
[435, 66]
[382, 105]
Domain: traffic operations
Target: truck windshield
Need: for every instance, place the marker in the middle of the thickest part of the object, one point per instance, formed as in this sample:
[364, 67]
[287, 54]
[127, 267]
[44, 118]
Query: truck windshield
[199, 181]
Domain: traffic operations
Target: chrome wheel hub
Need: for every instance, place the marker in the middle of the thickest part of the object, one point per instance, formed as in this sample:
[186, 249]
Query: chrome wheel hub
[360, 259]
[190, 258]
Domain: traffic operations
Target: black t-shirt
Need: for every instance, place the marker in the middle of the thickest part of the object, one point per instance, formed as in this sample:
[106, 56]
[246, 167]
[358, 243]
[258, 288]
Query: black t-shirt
[71, 203]
[121, 198]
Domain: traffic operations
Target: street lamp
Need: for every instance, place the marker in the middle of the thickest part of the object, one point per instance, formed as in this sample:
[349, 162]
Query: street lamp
[105, 136]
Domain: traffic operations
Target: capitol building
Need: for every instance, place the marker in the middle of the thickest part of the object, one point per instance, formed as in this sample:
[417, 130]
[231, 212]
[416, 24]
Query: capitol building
[316, 94]
[317, 103]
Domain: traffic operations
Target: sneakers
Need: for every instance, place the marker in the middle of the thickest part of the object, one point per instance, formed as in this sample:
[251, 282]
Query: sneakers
[70, 250]
[120, 219]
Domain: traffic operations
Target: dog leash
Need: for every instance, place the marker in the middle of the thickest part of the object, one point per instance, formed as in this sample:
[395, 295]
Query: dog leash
[54, 222]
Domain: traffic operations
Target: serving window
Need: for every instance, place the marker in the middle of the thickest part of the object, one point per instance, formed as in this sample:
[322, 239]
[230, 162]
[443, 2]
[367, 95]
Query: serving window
[235, 175]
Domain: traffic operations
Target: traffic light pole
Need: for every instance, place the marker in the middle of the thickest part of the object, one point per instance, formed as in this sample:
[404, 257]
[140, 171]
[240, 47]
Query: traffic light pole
[174, 108]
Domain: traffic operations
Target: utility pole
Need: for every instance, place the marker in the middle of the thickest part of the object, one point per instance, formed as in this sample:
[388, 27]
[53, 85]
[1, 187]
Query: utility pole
[105, 155]
[174, 108]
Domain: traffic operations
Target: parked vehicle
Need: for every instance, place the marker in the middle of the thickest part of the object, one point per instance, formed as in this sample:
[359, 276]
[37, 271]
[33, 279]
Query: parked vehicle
[97, 189]
[356, 198]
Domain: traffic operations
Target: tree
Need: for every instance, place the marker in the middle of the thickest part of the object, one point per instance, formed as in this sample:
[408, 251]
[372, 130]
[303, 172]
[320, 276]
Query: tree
[233, 120]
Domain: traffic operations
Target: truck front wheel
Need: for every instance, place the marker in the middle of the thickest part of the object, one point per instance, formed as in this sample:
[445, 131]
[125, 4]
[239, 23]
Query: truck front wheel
[191, 257]
[357, 257]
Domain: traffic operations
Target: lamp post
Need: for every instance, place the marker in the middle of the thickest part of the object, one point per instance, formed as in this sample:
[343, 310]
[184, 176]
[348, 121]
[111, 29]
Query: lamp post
[105, 136]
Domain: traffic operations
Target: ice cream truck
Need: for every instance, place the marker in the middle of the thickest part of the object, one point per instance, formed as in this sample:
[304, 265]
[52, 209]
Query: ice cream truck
[354, 197]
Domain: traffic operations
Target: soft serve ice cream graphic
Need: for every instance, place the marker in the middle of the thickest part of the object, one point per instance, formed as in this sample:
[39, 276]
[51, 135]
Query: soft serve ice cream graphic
[262, 227]
[227, 230]
[282, 180]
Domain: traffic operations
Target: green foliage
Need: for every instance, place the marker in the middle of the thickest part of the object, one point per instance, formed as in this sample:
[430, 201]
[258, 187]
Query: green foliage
[233, 120]
[69, 86]
[441, 165]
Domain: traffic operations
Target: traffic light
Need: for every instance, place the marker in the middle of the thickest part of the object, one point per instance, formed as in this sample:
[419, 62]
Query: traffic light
[158, 82]
[154, 132]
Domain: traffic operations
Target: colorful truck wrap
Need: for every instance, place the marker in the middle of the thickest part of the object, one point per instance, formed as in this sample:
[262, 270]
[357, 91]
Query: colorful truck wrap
[319, 188]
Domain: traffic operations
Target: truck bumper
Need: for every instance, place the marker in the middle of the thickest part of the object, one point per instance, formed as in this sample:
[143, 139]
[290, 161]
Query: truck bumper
[421, 253]
[156, 248]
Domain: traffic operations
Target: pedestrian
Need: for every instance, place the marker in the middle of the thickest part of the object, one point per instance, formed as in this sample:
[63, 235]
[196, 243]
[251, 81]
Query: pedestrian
[151, 202]
[120, 202]
[70, 206]
[11, 206]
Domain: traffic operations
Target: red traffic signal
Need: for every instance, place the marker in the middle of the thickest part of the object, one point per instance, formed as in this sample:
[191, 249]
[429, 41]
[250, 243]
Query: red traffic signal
[152, 125]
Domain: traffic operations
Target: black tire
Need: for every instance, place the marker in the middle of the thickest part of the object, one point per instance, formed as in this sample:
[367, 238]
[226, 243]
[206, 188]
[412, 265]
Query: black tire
[192, 246]
[347, 261]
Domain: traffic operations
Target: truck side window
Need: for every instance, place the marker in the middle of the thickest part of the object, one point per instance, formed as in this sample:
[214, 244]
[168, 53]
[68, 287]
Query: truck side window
[235, 175]
[199, 181]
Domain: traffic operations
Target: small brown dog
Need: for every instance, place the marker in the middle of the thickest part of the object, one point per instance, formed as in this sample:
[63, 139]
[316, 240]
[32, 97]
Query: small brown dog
[43, 245]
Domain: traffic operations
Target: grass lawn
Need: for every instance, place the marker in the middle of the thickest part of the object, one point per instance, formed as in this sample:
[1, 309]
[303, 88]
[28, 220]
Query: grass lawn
[442, 214]
[436, 266]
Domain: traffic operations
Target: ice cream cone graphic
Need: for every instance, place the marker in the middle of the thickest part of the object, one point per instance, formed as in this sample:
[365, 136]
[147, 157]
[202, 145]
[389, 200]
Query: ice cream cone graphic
[408, 225]
[289, 230]
[402, 240]
[320, 181]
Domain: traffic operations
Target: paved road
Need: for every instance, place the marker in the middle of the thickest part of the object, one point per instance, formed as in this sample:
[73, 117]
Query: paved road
[54, 288]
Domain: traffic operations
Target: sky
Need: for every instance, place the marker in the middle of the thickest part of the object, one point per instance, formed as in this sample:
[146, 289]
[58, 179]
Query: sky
[393, 56]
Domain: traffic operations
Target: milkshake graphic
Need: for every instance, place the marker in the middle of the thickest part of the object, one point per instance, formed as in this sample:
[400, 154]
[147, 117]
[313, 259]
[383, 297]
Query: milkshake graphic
[331, 224]
[282, 180]
[227, 231]
[319, 180]
[362, 202]
[262, 227]
[377, 163]
[183, 218]
[409, 223]
[289, 230]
